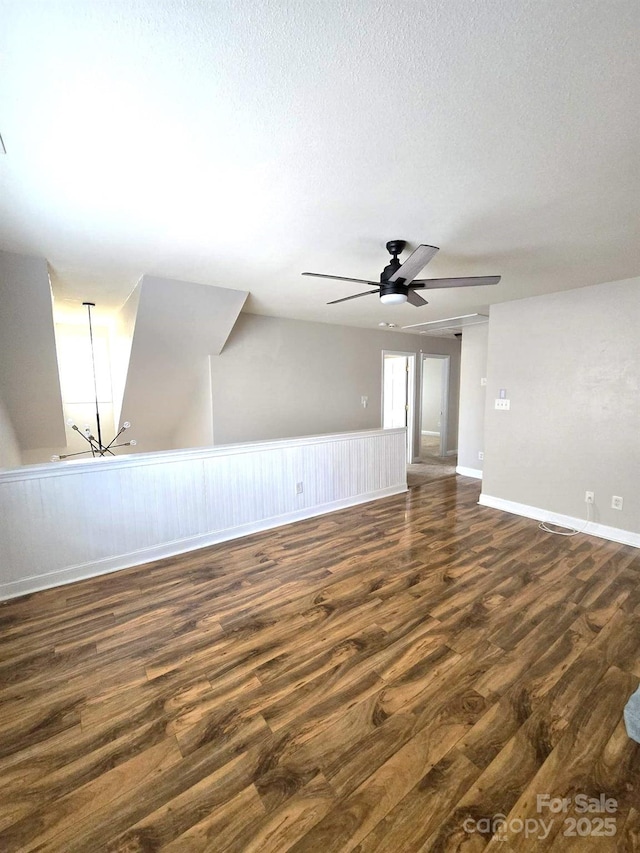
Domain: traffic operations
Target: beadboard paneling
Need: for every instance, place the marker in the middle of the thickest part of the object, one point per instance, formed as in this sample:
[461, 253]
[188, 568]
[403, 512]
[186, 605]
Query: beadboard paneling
[67, 521]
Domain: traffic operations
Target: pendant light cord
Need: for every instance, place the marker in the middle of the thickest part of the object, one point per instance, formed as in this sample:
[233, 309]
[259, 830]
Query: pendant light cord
[95, 381]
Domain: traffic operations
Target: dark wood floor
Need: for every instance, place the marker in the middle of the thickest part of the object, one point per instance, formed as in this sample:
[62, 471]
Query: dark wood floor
[378, 679]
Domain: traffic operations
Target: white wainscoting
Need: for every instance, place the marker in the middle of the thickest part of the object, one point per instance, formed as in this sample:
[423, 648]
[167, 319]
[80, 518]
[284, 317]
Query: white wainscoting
[71, 520]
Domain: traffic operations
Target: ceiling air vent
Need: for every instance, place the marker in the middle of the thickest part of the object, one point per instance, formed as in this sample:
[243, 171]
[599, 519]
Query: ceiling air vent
[447, 328]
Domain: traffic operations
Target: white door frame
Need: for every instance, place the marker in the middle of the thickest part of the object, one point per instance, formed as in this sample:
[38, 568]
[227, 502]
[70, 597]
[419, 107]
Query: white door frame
[444, 402]
[411, 398]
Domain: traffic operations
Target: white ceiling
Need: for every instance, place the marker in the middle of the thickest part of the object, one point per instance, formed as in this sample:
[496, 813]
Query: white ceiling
[240, 142]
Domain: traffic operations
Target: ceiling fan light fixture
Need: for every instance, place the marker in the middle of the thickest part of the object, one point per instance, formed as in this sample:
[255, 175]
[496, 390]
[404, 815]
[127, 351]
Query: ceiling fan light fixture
[393, 298]
[398, 283]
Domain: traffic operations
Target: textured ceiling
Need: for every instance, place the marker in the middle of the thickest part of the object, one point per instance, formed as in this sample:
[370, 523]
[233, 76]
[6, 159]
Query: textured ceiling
[240, 142]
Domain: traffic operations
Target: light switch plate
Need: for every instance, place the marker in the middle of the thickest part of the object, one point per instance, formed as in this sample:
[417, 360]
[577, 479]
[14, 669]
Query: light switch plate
[503, 404]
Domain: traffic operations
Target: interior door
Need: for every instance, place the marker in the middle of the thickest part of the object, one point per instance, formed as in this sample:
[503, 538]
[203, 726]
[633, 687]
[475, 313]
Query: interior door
[398, 392]
[395, 392]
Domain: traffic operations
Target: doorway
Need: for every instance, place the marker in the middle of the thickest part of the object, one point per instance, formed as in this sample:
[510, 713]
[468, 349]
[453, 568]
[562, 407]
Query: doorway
[398, 394]
[434, 405]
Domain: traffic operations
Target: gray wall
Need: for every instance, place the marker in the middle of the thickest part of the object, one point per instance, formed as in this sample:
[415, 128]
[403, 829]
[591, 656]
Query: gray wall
[195, 428]
[473, 368]
[570, 363]
[9, 450]
[29, 383]
[279, 378]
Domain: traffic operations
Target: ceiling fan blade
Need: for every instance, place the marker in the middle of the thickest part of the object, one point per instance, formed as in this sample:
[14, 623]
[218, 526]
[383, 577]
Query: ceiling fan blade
[415, 298]
[469, 281]
[346, 298]
[416, 261]
[342, 278]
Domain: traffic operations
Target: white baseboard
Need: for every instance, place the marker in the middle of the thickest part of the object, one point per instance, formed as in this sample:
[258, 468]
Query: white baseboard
[71, 574]
[469, 472]
[452, 452]
[613, 534]
[428, 432]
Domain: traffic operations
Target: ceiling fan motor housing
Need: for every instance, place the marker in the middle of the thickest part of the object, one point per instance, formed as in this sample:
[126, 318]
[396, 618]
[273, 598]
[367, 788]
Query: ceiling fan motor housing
[394, 287]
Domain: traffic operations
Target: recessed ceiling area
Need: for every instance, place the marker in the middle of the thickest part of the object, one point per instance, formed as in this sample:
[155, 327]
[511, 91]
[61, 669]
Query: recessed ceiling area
[241, 142]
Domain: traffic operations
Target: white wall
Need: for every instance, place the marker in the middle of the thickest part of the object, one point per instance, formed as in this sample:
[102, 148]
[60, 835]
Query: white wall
[278, 378]
[570, 364]
[473, 368]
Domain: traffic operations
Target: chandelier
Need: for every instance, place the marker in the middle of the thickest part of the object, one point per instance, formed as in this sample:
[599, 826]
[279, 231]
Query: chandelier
[96, 445]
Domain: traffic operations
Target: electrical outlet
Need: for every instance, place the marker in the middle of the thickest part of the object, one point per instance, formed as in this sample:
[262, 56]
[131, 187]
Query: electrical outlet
[616, 502]
[503, 404]
[588, 497]
[481, 455]
[299, 488]
[483, 381]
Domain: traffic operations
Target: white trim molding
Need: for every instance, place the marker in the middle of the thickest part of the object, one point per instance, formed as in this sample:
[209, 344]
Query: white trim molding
[613, 534]
[68, 521]
[476, 473]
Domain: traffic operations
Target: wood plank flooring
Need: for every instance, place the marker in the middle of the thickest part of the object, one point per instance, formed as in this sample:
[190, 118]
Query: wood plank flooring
[385, 678]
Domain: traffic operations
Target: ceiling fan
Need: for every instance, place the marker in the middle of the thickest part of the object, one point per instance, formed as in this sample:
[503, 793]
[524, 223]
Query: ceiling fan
[398, 281]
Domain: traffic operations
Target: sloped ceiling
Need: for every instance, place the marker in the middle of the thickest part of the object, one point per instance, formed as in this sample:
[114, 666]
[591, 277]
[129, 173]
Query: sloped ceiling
[178, 325]
[239, 142]
[29, 381]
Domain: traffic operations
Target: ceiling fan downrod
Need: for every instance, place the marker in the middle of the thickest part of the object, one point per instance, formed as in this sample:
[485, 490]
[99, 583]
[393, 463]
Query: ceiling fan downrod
[395, 248]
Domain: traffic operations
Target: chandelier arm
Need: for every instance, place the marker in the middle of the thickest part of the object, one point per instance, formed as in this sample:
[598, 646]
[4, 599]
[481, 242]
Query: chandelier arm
[115, 438]
[102, 451]
[86, 437]
[79, 453]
